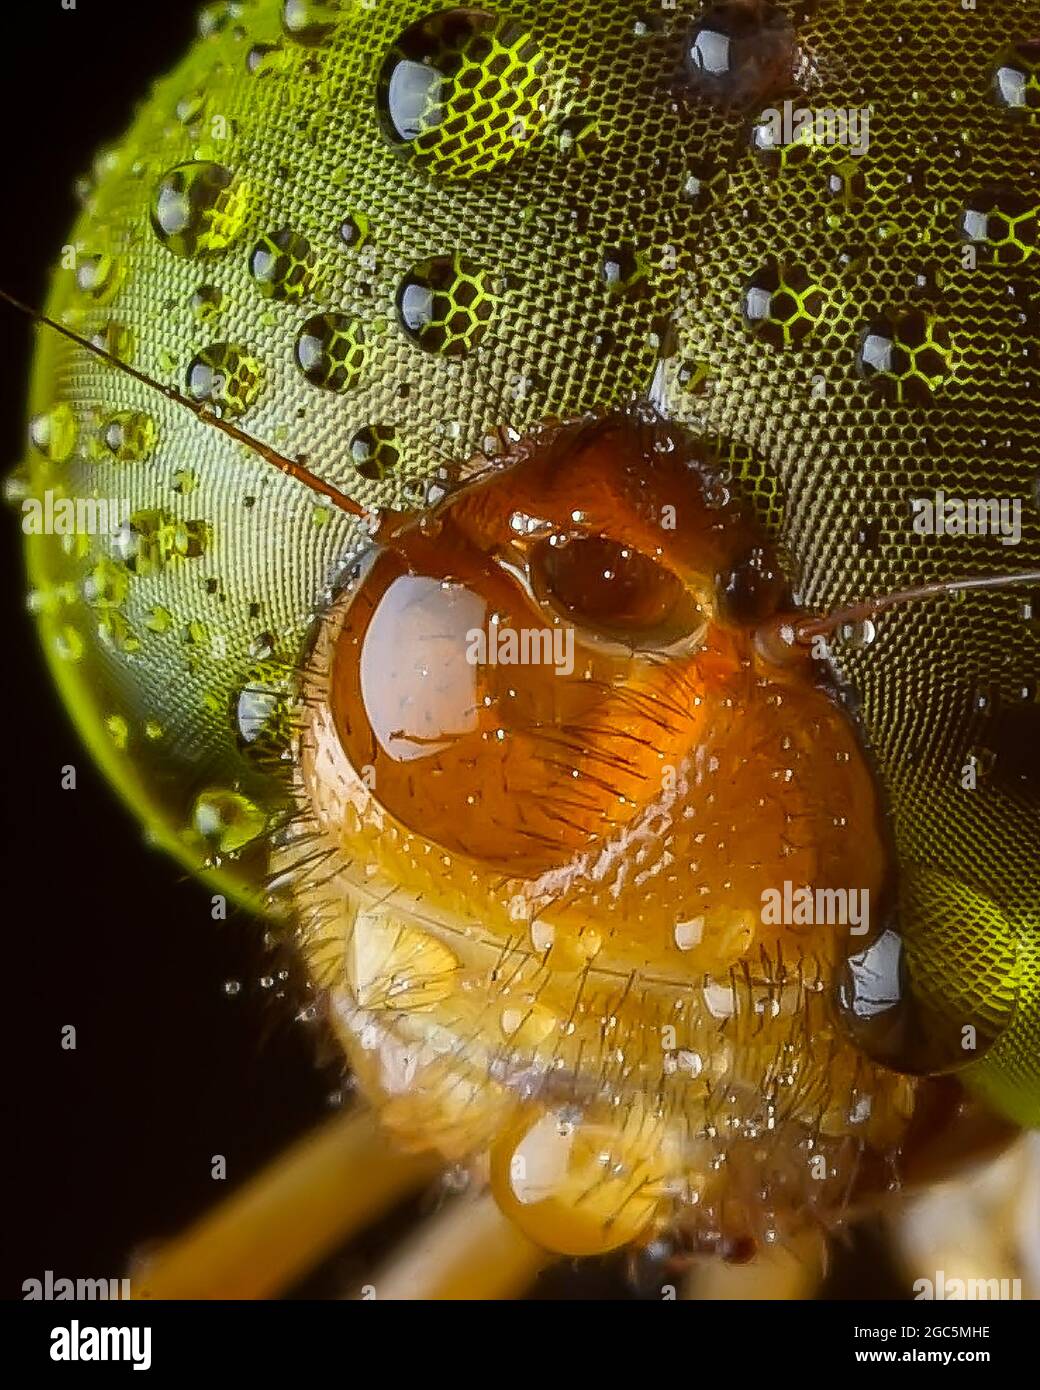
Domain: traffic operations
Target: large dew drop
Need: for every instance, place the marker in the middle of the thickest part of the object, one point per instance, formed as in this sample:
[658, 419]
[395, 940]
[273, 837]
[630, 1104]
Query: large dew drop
[226, 377]
[445, 305]
[461, 91]
[198, 208]
[330, 351]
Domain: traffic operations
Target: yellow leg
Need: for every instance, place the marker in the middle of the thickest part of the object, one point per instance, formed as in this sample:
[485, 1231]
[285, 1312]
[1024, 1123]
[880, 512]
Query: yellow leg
[469, 1250]
[282, 1223]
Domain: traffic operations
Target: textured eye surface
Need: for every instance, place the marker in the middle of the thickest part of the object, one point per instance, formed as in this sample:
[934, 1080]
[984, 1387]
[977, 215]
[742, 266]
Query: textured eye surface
[615, 591]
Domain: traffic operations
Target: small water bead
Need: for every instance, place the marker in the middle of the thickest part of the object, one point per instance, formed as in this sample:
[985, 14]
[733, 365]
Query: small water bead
[106, 585]
[461, 91]
[934, 985]
[98, 277]
[206, 303]
[116, 632]
[446, 304]
[190, 107]
[1016, 79]
[740, 53]
[199, 208]
[227, 819]
[353, 230]
[53, 433]
[261, 714]
[264, 59]
[283, 264]
[159, 620]
[706, 182]
[1003, 221]
[150, 538]
[218, 17]
[310, 22]
[577, 1188]
[129, 436]
[331, 351]
[116, 339]
[856, 636]
[782, 304]
[625, 269]
[226, 376]
[905, 357]
[232, 988]
[576, 136]
[375, 451]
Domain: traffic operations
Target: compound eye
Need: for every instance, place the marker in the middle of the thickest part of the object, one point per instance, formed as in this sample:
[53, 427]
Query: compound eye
[615, 592]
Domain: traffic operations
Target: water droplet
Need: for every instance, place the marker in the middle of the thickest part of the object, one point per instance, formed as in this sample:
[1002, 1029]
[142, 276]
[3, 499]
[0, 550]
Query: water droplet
[53, 433]
[310, 22]
[375, 451]
[190, 107]
[624, 269]
[1003, 221]
[353, 230]
[706, 182]
[393, 966]
[905, 358]
[782, 304]
[576, 136]
[445, 304]
[739, 55]
[206, 303]
[282, 265]
[226, 376]
[263, 59]
[461, 91]
[129, 435]
[856, 635]
[199, 208]
[262, 715]
[98, 276]
[579, 1188]
[219, 17]
[232, 987]
[935, 986]
[106, 585]
[331, 350]
[227, 820]
[1016, 79]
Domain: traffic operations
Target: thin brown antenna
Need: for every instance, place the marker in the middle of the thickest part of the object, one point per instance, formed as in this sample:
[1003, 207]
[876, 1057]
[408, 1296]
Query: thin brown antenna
[869, 608]
[290, 467]
[785, 637]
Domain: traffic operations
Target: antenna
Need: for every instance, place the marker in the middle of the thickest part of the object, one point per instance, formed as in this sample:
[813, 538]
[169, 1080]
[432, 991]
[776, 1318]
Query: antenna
[781, 639]
[290, 467]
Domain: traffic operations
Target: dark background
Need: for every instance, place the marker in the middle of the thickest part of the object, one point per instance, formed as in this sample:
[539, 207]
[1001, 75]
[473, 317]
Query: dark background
[108, 1147]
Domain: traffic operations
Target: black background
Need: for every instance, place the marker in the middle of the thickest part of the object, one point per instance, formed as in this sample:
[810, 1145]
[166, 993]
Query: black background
[108, 1147]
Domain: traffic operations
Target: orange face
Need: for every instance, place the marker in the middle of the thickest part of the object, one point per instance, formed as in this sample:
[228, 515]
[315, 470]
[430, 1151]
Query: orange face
[559, 808]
